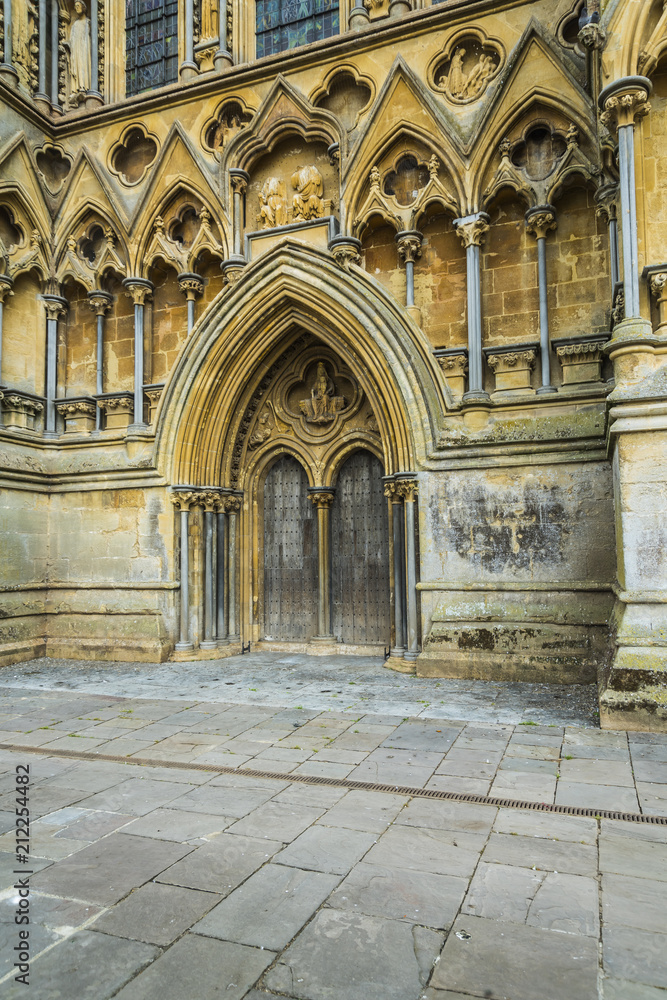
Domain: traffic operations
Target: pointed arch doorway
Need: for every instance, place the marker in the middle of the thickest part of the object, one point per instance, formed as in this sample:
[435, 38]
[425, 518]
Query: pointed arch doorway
[326, 555]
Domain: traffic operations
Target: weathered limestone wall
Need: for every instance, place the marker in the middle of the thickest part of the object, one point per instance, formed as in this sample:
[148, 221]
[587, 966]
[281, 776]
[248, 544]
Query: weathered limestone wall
[24, 523]
[510, 296]
[119, 341]
[517, 569]
[78, 345]
[87, 575]
[23, 337]
[440, 282]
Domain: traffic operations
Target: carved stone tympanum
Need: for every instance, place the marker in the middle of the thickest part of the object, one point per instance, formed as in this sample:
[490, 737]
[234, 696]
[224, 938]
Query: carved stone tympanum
[323, 405]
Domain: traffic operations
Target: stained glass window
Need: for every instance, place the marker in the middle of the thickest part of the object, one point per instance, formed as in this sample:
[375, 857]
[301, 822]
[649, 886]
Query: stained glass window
[151, 44]
[284, 24]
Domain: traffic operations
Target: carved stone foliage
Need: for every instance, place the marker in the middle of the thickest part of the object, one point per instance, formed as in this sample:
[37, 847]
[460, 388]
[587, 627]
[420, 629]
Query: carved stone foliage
[133, 154]
[469, 64]
[53, 166]
[401, 193]
[182, 238]
[538, 163]
[88, 256]
[308, 395]
[230, 119]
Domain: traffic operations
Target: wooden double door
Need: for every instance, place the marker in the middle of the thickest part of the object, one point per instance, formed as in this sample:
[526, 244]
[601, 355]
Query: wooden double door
[359, 546]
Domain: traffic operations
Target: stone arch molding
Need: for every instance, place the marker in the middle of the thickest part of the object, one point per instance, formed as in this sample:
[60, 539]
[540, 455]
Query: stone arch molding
[295, 290]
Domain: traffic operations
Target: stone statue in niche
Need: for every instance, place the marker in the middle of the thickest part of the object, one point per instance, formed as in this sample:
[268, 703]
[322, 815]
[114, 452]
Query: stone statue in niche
[79, 54]
[470, 70]
[272, 203]
[308, 201]
[210, 19]
[322, 406]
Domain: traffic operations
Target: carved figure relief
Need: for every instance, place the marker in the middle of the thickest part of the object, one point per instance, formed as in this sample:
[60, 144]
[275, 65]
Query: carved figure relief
[464, 76]
[323, 405]
[308, 202]
[263, 430]
[272, 203]
[79, 54]
[229, 121]
[210, 15]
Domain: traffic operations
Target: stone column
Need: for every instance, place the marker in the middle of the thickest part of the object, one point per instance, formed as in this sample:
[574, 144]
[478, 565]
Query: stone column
[239, 181]
[55, 101]
[322, 499]
[189, 69]
[140, 290]
[409, 489]
[6, 286]
[540, 221]
[221, 574]
[409, 250]
[359, 17]
[191, 285]
[100, 302]
[94, 55]
[233, 505]
[56, 307]
[624, 102]
[183, 500]
[473, 229]
[42, 97]
[222, 58]
[7, 71]
[606, 209]
[398, 544]
[209, 500]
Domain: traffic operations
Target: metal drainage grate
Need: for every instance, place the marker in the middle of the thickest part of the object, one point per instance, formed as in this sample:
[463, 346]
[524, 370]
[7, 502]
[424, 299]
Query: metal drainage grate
[368, 786]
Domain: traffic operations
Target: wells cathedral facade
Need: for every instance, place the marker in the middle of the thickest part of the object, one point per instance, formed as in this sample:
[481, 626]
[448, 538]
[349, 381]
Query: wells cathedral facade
[338, 326]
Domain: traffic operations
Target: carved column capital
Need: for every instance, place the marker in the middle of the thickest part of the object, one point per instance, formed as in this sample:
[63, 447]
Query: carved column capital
[100, 302]
[138, 289]
[184, 499]
[472, 229]
[6, 286]
[190, 284]
[658, 284]
[209, 500]
[232, 504]
[345, 250]
[625, 101]
[55, 306]
[239, 180]
[454, 364]
[409, 245]
[322, 497]
[540, 221]
[408, 489]
[606, 198]
[391, 491]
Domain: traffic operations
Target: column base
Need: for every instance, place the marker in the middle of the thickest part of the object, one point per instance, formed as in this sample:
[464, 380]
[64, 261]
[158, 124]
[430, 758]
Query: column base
[411, 655]
[545, 390]
[222, 642]
[183, 647]
[399, 7]
[397, 652]
[43, 102]
[222, 60]
[188, 71]
[359, 19]
[324, 638]
[208, 644]
[93, 100]
[8, 75]
[415, 314]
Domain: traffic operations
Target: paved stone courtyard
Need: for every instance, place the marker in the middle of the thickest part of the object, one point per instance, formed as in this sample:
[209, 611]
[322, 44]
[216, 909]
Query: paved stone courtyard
[188, 878]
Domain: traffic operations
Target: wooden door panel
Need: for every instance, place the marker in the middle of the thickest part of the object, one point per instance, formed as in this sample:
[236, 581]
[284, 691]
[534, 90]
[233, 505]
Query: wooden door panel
[290, 554]
[360, 553]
